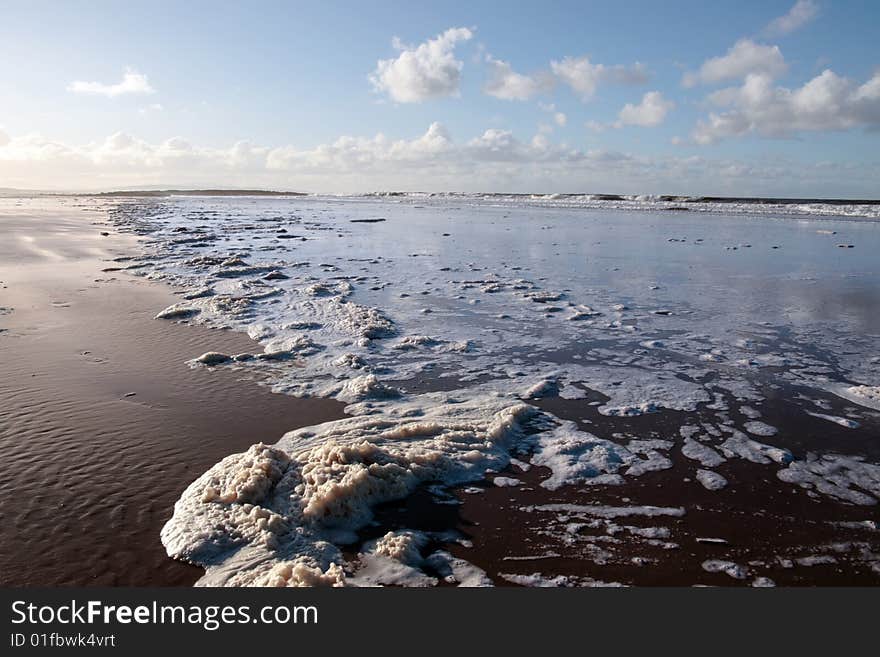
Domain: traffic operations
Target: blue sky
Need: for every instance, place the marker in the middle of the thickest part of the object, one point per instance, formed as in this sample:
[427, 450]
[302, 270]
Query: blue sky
[773, 98]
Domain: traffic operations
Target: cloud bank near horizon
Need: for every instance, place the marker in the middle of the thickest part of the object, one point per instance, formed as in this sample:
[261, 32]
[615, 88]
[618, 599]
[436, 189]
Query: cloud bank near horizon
[494, 160]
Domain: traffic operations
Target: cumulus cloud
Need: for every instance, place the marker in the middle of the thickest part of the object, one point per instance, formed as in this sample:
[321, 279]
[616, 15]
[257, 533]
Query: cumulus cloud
[650, 112]
[743, 58]
[132, 83]
[584, 77]
[801, 13]
[507, 84]
[429, 70]
[827, 102]
[348, 155]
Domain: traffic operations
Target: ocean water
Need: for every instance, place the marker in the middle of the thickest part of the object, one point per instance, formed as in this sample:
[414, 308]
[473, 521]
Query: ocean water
[441, 319]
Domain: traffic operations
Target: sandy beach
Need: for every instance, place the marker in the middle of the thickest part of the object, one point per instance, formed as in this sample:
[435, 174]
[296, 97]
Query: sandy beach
[102, 424]
[484, 425]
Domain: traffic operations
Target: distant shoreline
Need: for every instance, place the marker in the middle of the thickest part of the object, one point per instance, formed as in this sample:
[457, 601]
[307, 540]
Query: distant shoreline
[150, 193]
[667, 198]
[198, 192]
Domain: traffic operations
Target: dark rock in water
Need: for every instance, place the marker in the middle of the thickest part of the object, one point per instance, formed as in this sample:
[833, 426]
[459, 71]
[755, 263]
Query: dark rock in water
[213, 358]
[105, 234]
[367, 221]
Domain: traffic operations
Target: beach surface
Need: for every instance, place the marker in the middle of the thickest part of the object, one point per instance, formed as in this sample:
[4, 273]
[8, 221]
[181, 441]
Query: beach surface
[535, 392]
[102, 425]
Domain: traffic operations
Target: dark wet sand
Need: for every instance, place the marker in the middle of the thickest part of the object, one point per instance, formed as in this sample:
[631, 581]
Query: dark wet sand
[767, 525]
[90, 472]
[760, 519]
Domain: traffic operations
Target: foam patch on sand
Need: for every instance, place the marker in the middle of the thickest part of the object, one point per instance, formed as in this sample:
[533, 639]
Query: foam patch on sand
[393, 560]
[538, 580]
[842, 421]
[741, 446]
[696, 451]
[293, 503]
[866, 395]
[729, 568]
[847, 478]
[573, 455]
[758, 428]
[297, 503]
[396, 559]
[600, 511]
[711, 480]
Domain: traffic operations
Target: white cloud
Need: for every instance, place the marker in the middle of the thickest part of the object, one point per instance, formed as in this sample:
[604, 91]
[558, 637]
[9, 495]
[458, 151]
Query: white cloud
[4, 139]
[132, 83]
[584, 77]
[429, 70]
[433, 161]
[559, 118]
[743, 58]
[496, 160]
[650, 112]
[827, 102]
[348, 155]
[801, 13]
[507, 84]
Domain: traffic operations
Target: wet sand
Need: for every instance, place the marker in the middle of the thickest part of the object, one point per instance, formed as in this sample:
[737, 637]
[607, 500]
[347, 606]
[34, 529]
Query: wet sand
[102, 424]
[760, 524]
[771, 529]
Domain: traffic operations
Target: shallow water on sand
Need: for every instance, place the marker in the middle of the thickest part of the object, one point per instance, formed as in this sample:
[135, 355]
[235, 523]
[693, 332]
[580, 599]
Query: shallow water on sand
[705, 324]
[629, 373]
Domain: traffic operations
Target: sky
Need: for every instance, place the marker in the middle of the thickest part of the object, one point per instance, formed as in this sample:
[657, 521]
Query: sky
[770, 98]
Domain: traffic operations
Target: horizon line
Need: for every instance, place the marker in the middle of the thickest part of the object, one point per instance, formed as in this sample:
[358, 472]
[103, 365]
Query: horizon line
[159, 191]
